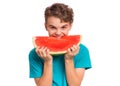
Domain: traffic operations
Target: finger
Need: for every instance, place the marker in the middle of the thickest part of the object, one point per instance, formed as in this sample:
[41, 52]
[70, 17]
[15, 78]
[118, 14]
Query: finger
[44, 51]
[44, 54]
[72, 48]
[69, 50]
[75, 47]
[40, 51]
[37, 50]
[47, 51]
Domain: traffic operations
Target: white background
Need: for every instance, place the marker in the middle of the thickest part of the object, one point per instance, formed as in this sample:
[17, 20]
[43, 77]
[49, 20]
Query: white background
[98, 21]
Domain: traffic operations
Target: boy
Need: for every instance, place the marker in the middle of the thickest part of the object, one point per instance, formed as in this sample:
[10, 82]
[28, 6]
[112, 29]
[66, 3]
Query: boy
[60, 70]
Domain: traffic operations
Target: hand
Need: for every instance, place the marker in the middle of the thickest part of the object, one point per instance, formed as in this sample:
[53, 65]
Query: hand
[72, 51]
[43, 52]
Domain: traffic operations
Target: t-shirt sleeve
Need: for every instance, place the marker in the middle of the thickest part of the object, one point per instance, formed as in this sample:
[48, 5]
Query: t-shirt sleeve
[35, 65]
[82, 59]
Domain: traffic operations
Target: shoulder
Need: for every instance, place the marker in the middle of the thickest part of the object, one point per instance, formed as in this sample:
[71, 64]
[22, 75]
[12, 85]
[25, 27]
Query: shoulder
[83, 47]
[32, 52]
[33, 55]
[82, 59]
[83, 51]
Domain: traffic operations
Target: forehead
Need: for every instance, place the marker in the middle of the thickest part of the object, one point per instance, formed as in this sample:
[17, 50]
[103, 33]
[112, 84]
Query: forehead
[56, 21]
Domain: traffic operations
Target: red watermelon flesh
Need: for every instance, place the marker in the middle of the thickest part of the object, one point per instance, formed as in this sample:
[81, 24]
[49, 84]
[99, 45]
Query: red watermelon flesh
[57, 45]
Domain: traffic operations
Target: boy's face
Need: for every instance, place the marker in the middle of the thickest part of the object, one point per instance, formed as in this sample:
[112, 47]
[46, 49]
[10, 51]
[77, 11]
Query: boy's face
[56, 28]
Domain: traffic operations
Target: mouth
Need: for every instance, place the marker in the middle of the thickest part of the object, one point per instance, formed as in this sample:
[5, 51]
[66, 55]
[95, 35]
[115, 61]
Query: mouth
[57, 36]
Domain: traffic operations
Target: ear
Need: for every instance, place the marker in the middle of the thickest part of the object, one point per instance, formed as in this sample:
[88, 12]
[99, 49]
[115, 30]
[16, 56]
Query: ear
[71, 25]
[45, 26]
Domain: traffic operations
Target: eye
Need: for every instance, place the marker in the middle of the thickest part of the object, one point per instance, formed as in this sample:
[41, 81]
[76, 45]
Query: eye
[64, 27]
[52, 27]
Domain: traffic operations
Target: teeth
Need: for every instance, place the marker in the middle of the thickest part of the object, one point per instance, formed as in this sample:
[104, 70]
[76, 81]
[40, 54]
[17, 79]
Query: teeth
[59, 37]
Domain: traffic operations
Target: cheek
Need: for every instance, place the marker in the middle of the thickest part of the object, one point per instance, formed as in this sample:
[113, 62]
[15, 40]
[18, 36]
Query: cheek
[66, 31]
[51, 32]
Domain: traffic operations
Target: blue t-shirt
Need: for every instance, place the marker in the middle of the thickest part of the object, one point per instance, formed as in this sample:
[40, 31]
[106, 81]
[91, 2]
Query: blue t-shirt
[81, 60]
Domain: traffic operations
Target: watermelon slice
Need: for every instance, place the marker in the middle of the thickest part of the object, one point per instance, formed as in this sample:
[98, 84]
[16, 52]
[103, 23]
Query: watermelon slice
[57, 45]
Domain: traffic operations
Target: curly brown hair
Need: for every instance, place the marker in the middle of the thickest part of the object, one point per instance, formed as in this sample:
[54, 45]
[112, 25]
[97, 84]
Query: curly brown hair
[61, 11]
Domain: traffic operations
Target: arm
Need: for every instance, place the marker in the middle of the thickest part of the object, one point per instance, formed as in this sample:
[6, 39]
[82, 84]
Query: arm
[46, 78]
[74, 76]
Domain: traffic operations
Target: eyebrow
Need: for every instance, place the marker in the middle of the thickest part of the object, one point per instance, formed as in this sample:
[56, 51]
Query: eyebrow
[51, 25]
[61, 26]
[65, 25]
